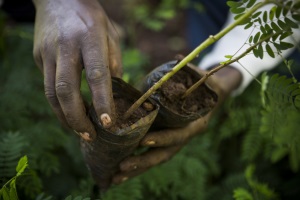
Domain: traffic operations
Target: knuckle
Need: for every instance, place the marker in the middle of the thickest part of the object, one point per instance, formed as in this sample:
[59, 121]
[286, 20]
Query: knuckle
[61, 38]
[63, 89]
[51, 96]
[95, 75]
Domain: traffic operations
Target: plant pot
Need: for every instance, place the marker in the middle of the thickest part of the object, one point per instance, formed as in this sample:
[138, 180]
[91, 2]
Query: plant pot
[110, 147]
[174, 111]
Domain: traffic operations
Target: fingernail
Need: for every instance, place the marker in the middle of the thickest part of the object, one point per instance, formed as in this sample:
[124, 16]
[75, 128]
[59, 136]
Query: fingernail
[150, 143]
[86, 136]
[124, 179]
[105, 120]
[148, 106]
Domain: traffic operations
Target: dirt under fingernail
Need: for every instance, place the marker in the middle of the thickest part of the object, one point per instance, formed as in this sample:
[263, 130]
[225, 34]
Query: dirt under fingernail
[148, 106]
[86, 136]
[124, 179]
[105, 120]
[151, 142]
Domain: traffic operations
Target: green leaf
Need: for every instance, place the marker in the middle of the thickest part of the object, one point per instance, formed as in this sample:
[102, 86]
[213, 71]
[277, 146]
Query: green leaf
[296, 17]
[256, 37]
[282, 24]
[278, 154]
[251, 39]
[275, 27]
[248, 25]
[285, 45]
[258, 20]
[264, 83]
[242, 194]
[270, 51]
[274, 37]
[246, 21]
[22, 164]
[285, 35]
[228, 56]
[234, 4]
[265, 16]
[251, 3]
[278, 12]
[260, 51]
[291, 23]
[238, 16]
[272, 12]
[237, 10]
[165, 14]
[13, 191]
[263, 30]
[268, 28]
[277, 46]
[255, 15]
[5, 193]
[255, 52]
[287, 8]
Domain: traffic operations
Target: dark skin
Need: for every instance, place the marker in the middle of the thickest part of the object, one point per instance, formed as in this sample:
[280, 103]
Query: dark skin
[166, 143]
[72, 35]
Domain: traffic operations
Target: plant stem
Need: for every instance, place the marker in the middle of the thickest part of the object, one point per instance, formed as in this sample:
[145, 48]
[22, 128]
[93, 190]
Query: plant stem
[209, 41]
[214, 70]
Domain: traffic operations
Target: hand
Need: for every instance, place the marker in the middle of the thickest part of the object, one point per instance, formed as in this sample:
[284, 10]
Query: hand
[166, 143]
[71, 35]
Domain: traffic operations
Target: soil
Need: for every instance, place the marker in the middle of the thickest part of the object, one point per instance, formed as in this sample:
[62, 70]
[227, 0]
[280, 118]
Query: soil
[175, 87]
[122, 105]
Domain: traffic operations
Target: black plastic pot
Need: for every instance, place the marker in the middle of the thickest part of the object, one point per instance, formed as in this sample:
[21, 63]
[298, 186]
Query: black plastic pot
[179, 117]
[104, 154]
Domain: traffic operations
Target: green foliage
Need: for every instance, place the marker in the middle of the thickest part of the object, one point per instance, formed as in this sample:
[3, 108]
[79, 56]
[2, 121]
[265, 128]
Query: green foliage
[258, 127]
[242, 194]
[280, 117]
[11, 148]
[154, 15]
[133, 60]
[258, 190]
[9, 189]
[273, 26]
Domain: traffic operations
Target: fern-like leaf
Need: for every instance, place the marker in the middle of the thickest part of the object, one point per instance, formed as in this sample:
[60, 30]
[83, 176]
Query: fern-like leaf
[11, 148]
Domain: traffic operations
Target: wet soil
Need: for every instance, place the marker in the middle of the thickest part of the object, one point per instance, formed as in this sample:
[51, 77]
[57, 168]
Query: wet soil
[175, 87]
[122, 105]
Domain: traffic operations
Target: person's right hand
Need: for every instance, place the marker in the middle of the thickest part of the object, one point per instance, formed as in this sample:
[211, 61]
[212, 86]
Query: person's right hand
[71, 35]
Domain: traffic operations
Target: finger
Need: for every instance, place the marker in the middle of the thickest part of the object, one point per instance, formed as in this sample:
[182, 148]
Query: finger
[149, 159]
[68, 78]
[94, 52]
[170, 137]
[49, 84]
[124, 176]
[115, 58]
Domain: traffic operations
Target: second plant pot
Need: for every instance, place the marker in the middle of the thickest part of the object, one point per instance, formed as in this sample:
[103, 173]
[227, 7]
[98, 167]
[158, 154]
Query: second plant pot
[176, 111]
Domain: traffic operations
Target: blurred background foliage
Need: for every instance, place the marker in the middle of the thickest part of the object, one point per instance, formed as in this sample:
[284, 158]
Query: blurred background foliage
[250, 151]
